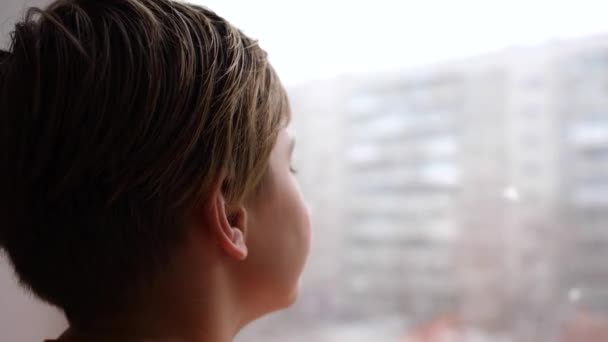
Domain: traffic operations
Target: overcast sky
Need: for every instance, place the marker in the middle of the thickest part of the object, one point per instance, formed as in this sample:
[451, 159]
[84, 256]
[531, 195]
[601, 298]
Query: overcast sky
[322, 38]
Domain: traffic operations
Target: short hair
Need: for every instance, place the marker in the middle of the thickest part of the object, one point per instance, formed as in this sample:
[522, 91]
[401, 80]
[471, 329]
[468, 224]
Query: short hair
[116, 117]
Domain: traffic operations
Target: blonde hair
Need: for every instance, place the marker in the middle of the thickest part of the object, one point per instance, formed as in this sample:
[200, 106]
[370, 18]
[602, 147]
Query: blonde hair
[117, 117]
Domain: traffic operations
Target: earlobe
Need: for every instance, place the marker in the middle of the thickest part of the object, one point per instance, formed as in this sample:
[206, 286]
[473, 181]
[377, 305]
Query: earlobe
[241, 250]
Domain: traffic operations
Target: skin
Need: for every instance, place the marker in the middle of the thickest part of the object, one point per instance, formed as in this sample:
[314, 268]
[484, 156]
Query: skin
[238, 263]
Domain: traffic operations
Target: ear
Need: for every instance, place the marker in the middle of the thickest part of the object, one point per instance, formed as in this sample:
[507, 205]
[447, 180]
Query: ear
[227, 225]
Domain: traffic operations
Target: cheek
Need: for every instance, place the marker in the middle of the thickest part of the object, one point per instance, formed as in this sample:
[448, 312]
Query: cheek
[305, 224]
[300, 235]
[281, 240]
[297, 220]
[293, 231]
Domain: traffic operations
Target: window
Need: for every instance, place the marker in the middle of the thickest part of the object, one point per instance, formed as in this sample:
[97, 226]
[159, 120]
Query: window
[430, 240]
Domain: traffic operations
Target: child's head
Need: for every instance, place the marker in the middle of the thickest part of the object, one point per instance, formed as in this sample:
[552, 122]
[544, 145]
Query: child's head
[134, 133]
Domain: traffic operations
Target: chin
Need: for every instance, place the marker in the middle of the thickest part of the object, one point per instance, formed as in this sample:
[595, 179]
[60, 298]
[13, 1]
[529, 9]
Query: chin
[281, 298]
[293, 297]
[288, 299]
[280, 303]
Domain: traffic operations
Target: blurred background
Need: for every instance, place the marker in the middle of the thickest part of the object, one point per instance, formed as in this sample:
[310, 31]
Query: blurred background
[455, 157]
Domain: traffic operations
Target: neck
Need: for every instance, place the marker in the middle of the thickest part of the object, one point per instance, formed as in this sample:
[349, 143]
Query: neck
[194, 310]
[136, 329]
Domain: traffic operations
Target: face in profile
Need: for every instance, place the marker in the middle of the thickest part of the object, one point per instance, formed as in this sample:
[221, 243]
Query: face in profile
[278, 234]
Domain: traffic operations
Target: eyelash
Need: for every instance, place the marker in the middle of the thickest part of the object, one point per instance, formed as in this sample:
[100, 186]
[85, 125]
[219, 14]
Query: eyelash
[293, 170]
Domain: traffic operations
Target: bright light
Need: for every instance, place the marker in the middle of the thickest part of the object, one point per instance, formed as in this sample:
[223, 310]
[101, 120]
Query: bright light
[316, 39]
[511, 194]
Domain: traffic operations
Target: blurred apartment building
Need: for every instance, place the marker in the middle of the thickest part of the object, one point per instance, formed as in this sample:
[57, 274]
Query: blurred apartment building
[582, 97]
[476, 188]
[400, 154]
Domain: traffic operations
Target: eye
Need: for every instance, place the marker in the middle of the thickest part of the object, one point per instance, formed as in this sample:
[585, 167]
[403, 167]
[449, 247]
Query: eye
[292, 146]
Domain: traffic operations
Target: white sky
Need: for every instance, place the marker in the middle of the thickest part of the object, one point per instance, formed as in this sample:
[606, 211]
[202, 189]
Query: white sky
[310, 39]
